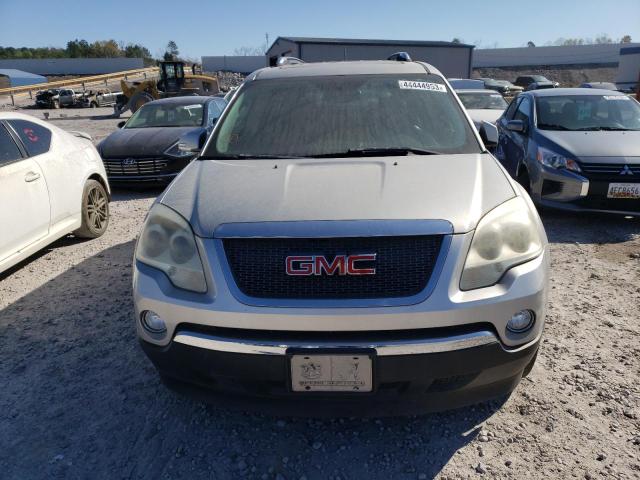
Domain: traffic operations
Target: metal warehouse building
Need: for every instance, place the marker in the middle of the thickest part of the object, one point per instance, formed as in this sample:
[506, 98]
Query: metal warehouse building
[600, 54]
[452, 59]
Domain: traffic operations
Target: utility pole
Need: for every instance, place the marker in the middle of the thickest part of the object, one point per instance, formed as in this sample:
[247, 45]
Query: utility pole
[266, 45]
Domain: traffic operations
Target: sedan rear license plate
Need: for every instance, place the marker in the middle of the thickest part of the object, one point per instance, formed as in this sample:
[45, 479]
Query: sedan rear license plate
[624, 190]
[331, 373]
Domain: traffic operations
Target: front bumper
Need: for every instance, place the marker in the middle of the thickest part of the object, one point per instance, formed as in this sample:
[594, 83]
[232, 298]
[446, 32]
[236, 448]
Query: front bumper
[409, 376]
[570, 191]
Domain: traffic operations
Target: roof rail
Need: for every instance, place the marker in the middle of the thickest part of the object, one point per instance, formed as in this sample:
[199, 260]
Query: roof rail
[288, 61]
[400, 57]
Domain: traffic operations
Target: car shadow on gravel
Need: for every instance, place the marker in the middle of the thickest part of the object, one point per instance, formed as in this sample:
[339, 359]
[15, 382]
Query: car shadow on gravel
[566, 227]
[78, 399]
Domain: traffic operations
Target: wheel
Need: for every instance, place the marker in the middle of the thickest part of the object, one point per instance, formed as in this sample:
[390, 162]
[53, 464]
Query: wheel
[95, 210]
[138, 100]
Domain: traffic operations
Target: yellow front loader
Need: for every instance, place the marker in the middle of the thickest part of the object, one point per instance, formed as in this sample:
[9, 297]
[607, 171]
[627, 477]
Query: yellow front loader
[173, 82]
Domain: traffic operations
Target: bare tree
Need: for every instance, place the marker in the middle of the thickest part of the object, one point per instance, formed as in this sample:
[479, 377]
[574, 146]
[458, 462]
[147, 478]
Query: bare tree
[626, 39]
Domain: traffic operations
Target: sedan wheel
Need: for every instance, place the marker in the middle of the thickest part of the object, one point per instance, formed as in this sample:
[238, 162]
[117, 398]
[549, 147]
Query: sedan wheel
[95, 211]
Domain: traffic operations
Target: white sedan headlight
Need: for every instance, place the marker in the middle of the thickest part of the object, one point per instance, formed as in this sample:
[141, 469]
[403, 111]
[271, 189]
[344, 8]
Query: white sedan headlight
[168, 244]
[505, 237]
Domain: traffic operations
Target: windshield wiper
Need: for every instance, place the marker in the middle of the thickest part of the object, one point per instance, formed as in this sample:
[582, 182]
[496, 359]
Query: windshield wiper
[606, 129]
[618, 129]
[552, 126]
[377, 152]
[249, 156]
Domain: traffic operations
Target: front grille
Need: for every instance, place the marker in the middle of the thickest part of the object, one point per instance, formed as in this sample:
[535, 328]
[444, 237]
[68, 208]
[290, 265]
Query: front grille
[141, 166]
[609, 171]
[403, 266]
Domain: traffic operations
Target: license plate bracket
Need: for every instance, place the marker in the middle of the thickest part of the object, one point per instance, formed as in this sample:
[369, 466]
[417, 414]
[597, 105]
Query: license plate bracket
[331, 372]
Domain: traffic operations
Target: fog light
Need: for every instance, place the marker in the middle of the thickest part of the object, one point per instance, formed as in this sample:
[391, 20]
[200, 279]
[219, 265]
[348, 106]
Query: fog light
[152, 322]
[521, 321]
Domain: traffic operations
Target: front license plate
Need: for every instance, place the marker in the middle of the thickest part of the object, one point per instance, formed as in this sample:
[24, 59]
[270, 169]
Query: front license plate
[624, 190]
[331, 373]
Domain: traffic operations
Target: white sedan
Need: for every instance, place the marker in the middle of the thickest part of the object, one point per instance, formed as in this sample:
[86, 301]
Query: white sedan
[51, 183]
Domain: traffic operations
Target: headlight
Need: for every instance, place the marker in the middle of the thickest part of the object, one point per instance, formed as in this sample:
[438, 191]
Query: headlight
[168, 244]
[554, 160]
[179, 150]
[505, 237]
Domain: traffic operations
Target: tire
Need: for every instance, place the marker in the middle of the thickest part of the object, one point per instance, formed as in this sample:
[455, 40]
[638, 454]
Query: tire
[138, 100]
[95, 210]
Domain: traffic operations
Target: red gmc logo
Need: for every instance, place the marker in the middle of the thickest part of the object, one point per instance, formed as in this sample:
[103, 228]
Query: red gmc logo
[307, 265]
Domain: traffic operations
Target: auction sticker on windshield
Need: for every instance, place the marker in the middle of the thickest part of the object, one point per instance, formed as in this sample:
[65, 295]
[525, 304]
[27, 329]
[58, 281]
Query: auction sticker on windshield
[624, 190]
[413, 85]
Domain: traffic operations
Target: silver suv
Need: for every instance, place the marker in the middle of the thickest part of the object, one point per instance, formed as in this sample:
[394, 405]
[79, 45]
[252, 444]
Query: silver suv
[344, 237]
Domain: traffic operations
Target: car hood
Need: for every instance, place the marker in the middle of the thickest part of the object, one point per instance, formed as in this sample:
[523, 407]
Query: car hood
[485, 115]
[143, 142]
[456, 188]
[595, 144]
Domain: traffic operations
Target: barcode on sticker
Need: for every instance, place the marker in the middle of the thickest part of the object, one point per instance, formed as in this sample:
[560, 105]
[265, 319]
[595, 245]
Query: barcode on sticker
[413, 85]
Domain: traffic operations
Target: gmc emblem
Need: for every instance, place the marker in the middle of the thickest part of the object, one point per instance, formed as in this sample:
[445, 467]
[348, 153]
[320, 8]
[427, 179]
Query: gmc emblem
[307, 265]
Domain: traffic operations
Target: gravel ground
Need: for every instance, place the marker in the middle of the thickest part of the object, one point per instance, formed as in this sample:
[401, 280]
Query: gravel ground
[80, 400]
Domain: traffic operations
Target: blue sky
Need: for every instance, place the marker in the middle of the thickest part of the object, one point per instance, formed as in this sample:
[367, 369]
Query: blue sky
[207, 27]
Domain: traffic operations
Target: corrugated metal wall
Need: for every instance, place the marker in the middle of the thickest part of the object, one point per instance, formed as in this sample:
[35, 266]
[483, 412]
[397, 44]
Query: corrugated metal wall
[629, 67]
[73, 66]
[533, 56]
[452, 62]
[233, 63]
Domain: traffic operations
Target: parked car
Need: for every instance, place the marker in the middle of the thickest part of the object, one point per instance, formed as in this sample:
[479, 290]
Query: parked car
[574, 148]
[99, 98]
[52, 183]
[532, 82]
[160, 139]
[344, 238]
[68, 97]
[482, 105]
[600, 85]
[504, 87]
[48, 98]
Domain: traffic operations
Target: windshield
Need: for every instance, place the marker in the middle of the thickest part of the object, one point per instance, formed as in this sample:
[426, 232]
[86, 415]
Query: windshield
[336, 115]
[588, 112]
[482, 101]
[166, 115]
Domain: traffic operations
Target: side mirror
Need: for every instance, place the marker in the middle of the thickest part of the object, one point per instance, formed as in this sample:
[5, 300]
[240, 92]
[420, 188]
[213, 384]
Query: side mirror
[121, 124]
[490, 136]
[516, 126]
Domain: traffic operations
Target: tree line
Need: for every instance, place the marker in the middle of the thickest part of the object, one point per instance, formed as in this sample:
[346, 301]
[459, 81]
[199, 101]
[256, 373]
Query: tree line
[80, 49]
